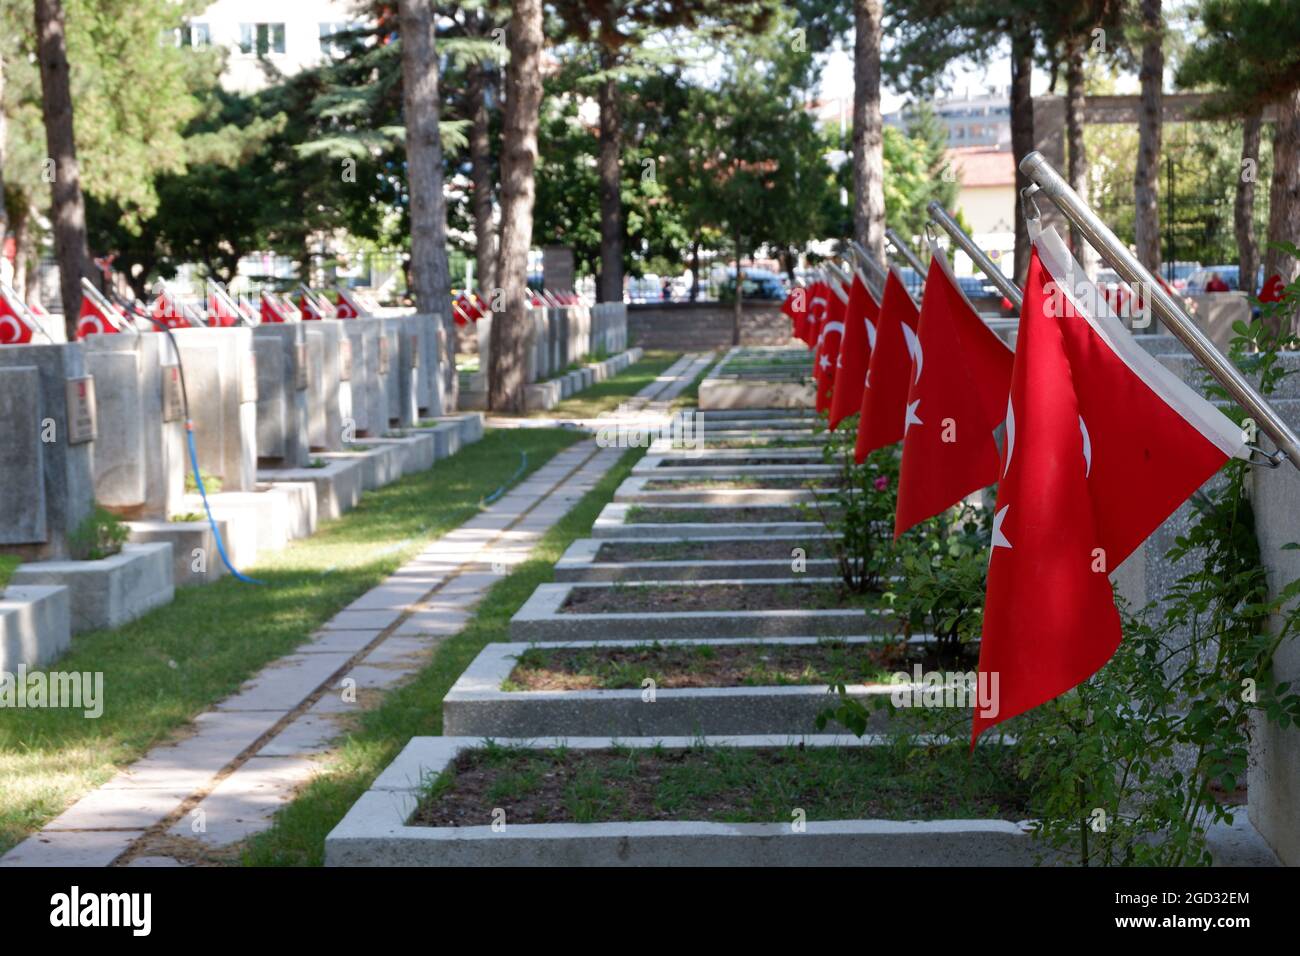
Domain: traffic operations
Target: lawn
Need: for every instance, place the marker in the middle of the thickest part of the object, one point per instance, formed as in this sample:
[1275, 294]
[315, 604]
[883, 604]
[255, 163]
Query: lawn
[162, 670]
[415, 709]
[8, 563]
[608, 395]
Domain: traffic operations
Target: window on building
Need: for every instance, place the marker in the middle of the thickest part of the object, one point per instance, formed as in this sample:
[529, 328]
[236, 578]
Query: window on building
[330, 41]
[261, 39]
[193, 35]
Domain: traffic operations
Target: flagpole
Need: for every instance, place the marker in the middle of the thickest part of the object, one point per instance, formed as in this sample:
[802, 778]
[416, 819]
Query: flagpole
[864, 257]
[1040, 172]
[966, 244]
[843, 280]
[908, 254]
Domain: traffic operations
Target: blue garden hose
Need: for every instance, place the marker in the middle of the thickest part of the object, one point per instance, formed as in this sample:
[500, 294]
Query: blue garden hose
[189, 437]
[523, 466]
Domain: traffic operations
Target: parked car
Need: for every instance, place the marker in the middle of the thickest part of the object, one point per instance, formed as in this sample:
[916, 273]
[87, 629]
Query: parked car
[1176, 274]
[1231, 275]
[759, 284]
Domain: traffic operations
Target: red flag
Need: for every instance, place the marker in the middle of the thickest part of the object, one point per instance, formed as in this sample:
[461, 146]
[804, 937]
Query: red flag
[344, 307]
[16, 325]
[167, 312]
[818, 301]
[1103, 443]
[97, 318]
[860, 318]
[827, 353]
[889, 371]
[222, 313]
[958, 396]
[795, 308]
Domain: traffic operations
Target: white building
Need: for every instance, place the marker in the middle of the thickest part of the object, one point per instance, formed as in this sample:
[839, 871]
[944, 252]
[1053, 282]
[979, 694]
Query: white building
[290, 34]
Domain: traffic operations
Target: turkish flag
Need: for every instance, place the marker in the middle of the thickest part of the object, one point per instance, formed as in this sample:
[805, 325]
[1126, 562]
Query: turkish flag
[271, 310]
[1103, 443]
[958, 396]
[344, 308]
[16, 328]
[166, 312]
[221, 313]
[860, 318]
[889, 371]
[96, 320]
[818, 302]
[828, 350]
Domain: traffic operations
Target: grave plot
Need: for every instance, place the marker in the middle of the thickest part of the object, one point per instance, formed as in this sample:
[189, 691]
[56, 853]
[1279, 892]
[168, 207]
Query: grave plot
[671, 610]
[679, 688]
[698, 559]
[688, 801]
[641, 490]
[749, 378]
[704, 520]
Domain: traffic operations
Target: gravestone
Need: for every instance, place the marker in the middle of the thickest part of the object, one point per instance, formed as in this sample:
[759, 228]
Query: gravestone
[396, 373]
[221, 377]
[411, 370]
[329, 383]
[369, 376]
[47, 485]
[140, 456]
[283, 383]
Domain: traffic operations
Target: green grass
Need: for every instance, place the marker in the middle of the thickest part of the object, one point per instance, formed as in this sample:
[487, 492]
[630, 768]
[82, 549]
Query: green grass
[8, 563]
[903, 781]
[415, 709]
[608, 395]
[163, 669]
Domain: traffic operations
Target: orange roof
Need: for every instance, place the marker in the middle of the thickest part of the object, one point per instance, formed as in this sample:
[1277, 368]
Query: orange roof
[983, 166]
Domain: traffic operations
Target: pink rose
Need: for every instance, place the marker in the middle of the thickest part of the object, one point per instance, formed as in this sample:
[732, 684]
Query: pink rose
[882, 482]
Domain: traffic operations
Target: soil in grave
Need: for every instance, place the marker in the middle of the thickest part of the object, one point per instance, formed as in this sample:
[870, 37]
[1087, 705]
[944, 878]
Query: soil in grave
[649, 514]
[727, 665]
[750, 549]
[759, 444]
[664, 598]
[725, 785]
[741, 484]
[749, 461]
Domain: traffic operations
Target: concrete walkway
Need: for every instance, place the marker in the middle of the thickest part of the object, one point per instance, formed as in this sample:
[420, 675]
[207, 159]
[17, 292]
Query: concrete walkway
[248, 755]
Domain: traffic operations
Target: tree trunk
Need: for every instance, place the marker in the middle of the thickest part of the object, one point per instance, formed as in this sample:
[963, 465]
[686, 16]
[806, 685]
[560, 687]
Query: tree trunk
[4, 212]
[1146, 180]
[69, 212]
[430, 277]
[523, 100]
[738, 312]
[1243, 212]
[1284, 195]
[609, 170]
[868, 133]
[1078, 154]
[23, 250]
[695, 270]
[480, 161]
[1022, 137]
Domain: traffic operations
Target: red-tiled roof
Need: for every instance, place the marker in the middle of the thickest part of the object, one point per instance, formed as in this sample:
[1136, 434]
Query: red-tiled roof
[983, 166]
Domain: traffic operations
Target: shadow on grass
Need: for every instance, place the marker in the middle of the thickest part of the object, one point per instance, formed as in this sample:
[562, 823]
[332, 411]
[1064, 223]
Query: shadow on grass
[415, 709]
[163, 669]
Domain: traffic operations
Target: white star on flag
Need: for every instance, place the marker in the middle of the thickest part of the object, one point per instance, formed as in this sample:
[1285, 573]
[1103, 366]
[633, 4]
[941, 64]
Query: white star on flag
[825, 362]
[911, 418]
[1000, 539]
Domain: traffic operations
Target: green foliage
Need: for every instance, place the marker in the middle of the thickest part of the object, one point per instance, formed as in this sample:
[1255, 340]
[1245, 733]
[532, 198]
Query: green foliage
[8, 564]
[1249, 50]
[941, 572]
[859, 511]
[101, 534]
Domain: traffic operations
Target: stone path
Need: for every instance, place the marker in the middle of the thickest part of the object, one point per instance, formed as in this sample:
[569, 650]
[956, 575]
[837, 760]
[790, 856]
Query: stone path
[246, 757]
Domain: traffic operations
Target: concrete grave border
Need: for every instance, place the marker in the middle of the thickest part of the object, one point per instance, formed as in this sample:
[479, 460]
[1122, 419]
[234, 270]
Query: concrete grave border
[35, 625]
[612, 522]
[541, 620]
[579, 564]
[111, 591]
[477, 706]
[375, 831]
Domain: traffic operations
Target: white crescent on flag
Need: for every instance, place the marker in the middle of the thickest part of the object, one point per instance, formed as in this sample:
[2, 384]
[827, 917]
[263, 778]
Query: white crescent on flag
[914, 348]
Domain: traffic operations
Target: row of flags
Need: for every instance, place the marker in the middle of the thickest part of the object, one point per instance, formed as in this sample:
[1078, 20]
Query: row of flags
[20, 322]
[469, 307]
[1101, 444]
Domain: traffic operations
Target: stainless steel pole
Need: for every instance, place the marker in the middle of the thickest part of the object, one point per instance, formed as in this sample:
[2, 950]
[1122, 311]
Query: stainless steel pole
[907, 252]
[1047, 179]
[875, 268]
[967, 245]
